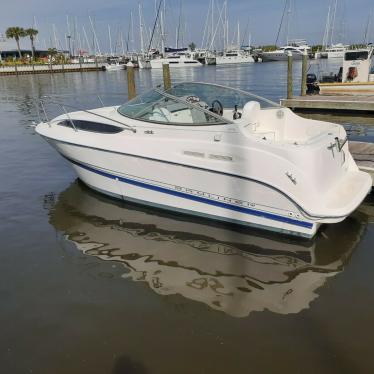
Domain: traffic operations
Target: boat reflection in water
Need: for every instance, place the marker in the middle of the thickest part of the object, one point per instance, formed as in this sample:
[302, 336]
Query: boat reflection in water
[233, 270]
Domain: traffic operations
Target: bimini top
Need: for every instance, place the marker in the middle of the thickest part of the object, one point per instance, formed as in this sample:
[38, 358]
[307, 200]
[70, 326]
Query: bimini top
[190, 104]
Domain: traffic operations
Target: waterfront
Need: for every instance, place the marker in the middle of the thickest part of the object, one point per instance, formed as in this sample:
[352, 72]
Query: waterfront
[89, 284]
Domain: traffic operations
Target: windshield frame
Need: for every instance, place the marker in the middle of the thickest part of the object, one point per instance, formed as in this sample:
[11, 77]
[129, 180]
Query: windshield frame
[220, 119]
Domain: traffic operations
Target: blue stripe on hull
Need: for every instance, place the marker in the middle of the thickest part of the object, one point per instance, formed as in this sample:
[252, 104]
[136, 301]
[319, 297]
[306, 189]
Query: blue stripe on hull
[199, 199]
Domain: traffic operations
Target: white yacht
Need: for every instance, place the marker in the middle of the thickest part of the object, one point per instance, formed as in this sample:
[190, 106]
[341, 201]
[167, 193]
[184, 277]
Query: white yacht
[114, 66]
[336, 50]
[281, 54]
[235, 56]
[216, 152]
[175, 60]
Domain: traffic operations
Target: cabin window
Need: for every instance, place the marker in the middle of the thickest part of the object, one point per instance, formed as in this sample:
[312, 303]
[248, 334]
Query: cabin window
[97, 127]
[357, 55]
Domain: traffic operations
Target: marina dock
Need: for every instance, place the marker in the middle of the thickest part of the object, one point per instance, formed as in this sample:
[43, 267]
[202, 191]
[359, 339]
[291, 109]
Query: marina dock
[49, 68]
[338, 103]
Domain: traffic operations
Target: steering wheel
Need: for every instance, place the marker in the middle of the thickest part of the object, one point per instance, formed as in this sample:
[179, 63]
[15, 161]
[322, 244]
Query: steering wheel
[217, 107]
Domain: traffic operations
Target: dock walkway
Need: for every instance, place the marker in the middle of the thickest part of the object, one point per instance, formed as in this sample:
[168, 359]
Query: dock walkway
[49, 68]
[341, 103]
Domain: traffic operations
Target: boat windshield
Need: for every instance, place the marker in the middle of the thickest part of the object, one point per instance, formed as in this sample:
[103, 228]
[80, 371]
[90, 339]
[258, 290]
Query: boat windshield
[189, 104]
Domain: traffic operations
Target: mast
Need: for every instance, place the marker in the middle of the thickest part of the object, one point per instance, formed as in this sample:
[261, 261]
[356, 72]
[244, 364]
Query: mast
[332, 24]
[327, 28]
[141, 28]
[96, 42]
[110, 41]
[238, 35]
[368, 27]
[289, 11]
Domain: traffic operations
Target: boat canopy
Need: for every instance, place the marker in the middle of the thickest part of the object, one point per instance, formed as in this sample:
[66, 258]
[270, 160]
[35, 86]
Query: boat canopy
[189, 104]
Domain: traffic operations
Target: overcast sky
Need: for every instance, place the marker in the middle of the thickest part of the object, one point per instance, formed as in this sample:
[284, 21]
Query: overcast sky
[263, 16]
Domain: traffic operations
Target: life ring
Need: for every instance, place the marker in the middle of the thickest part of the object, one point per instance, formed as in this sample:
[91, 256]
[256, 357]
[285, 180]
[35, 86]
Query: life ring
[352, 73]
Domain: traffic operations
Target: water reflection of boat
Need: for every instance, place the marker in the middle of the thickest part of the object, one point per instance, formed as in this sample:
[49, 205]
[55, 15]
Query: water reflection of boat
[236, 272]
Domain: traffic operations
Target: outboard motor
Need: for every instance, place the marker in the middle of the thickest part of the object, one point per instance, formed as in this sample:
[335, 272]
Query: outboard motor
[312, 84]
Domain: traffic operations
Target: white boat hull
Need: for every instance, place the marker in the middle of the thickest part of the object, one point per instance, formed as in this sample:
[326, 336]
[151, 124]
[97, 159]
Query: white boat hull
[270, 56]
[175, 63]
[221, 60]
[188, 190]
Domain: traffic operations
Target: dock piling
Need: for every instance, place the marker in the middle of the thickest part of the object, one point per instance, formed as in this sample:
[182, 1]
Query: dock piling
[289, 77]
[166, 75]
[304, 73]
[130, 81]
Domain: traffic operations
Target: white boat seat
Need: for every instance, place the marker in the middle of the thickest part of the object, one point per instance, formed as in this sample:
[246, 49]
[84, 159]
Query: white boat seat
[250, 113]
[160, 115]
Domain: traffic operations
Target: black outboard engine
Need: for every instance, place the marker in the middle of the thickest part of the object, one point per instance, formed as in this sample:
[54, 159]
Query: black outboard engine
[312, 84]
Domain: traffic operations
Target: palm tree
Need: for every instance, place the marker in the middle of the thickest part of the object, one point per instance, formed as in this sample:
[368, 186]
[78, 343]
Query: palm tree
[16, 33]
[31, 33]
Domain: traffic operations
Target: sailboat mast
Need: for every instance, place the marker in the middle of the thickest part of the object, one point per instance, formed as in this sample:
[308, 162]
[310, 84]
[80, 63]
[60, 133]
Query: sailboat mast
[110, 41]
[141, 26]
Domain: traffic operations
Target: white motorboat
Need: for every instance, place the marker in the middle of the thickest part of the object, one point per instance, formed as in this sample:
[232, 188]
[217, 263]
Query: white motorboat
[115, 67]
[175, 60]
[336, 50]
[235, 56]
[281, 54]
[356, 76]
[216, 152]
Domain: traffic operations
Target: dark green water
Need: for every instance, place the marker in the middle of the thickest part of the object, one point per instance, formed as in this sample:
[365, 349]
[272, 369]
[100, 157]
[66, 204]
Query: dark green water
[92, 285]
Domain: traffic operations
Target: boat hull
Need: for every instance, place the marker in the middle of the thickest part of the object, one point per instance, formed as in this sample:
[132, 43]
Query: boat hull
[269, 56]
[187, 189]
[222, 60]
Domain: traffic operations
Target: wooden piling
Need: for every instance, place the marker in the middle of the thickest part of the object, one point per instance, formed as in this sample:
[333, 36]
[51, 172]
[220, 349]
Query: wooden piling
[304, 73]
[130, 81]
[289, 77]
[166, 75]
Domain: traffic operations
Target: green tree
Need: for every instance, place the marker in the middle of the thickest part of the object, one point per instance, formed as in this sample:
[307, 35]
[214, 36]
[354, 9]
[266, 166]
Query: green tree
[31, 33]
[16, 33]
[192, 46]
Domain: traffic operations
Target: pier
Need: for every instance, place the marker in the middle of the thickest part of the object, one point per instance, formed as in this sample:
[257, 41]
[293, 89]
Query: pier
[49, 68]
[321, 103]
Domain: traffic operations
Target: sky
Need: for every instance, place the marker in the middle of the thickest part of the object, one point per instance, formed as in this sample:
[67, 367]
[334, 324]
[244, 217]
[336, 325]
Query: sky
[261, 17]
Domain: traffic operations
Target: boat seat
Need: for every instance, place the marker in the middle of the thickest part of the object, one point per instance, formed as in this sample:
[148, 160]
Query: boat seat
[250, 114]
[160, 115]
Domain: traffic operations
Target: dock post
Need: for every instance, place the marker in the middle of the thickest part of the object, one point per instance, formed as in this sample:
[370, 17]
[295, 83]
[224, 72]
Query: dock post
[304, 73]
[166, 75]
[289, 77]
[130, 81]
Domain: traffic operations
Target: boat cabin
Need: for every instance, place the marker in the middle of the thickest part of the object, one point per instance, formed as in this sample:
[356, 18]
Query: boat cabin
[358, 65]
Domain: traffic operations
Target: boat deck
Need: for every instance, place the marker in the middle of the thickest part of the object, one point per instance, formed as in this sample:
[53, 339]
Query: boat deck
[337, 103]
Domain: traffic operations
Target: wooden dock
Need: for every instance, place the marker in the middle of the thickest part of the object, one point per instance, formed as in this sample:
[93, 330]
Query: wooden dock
[49, 68]
[363, 154]
[325, 103]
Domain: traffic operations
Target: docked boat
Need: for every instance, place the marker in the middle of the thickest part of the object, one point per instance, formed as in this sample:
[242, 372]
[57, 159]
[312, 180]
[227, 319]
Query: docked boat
[175, 60]
[115, 66]
[281, 54]
[235, 56]
[216, 152]
[356, 76]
